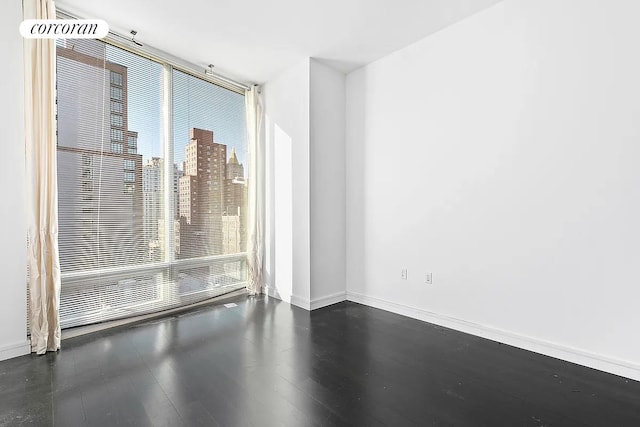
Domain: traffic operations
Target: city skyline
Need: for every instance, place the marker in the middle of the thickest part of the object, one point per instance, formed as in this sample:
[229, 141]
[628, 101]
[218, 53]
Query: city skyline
[111, 205]
[196, 104]
[207, 194]
[102, 131]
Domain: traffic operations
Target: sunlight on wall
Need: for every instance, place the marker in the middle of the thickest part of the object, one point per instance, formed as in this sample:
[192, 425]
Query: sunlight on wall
[279, 267]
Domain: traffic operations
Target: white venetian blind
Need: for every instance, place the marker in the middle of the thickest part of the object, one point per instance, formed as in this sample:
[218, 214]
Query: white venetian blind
[121, 234]
[209, 150]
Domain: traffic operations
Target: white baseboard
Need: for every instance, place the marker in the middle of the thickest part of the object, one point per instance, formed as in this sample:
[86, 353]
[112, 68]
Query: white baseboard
[301, 302]
[328, 300]
[305, 303]
[273, 292]
[15, 350]
[558, 351]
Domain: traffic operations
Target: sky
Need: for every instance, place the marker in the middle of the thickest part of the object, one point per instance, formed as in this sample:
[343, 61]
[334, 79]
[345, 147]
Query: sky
[196, 103]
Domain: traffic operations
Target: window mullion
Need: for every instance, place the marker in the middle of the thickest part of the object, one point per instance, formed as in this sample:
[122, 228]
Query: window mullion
[169, 196]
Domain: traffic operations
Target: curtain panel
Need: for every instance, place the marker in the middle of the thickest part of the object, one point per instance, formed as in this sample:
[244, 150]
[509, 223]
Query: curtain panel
[255, 217]
[42, 191]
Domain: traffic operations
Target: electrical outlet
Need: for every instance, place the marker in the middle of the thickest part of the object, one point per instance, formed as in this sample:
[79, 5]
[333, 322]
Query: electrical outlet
[403, 275]
[428, 280]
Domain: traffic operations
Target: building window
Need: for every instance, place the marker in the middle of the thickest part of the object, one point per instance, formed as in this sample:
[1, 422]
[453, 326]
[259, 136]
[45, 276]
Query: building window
[116, 147]
[87, 174]
[129, 177]
[117, 135]
[86, 187]
[116, 107]
[116, 93]
[129, 164]
[132, 144]
[116, 78]
[116, 120]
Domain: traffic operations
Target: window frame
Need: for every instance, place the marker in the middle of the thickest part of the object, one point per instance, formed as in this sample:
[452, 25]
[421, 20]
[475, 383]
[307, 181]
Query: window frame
[169, 63]
[117, 147]
[117, 135]
[129, 165]
[118, 110]
[116, 120]
[116, 93]
[118, 79]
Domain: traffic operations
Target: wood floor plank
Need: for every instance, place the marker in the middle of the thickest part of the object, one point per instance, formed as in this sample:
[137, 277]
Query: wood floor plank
[266, 363]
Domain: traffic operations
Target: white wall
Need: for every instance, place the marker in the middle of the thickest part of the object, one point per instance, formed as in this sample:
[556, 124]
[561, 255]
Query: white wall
[287, 240]
[327, 175]
[305, 203]
[13, 298]
[501, 154]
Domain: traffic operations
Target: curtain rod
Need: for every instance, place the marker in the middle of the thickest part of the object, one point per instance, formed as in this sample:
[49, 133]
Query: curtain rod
[162, 56]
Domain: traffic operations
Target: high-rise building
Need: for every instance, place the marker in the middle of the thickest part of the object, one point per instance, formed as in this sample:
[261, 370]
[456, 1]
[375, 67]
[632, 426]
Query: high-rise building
[232, 232]
[212, 199]
[152, 206]
[235, 169]
[153, 190]
[202, 195]
[99, 170]
[234, 186]
[234, 215]
[177, 174]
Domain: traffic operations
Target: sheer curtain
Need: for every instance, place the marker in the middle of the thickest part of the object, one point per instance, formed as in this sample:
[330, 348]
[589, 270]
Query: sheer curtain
[255, 217]
[42, 191]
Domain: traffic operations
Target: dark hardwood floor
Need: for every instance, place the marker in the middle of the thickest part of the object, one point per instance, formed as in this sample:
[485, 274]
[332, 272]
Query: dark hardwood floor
[265, 363]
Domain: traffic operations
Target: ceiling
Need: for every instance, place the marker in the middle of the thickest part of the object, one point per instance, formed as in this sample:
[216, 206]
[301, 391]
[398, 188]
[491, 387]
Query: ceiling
[253, 40]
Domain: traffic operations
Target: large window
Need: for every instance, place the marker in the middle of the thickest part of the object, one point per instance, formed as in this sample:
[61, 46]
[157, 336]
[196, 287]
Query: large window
[147, 220]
